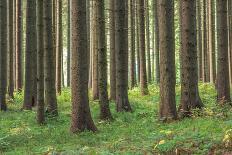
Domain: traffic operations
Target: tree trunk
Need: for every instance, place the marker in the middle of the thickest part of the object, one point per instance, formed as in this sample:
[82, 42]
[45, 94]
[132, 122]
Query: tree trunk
[157, 49]
[105, 113]
[81, 116]
[223, 86]
[121, 50]
[148, 41]
[112, 53]
[30, 58]
[167, 60]
[199, 39]
[18, 47]
[49, 65]
[3, 54]
[59, 47]
[40, 63]
[190, 98]
[143, 71]
[10, 49]
[68, 45]
[137, 41]
[132, 56]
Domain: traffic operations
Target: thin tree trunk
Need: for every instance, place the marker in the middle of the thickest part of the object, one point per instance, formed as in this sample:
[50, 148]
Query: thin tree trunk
[68, 44]
[199, 40]
[137, 40]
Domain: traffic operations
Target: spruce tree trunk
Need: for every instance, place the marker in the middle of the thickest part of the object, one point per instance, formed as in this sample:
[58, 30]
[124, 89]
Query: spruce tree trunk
[199, 39]
[40, 63]
[105, 113]
[137, 42]
[18, 46]
[212, 51]
[59, 47]
[30, 56]
[167, 60]
[95, 53]
[190, 98]
[81, 116]
[148, 40]
[68, 45]
[3, 54]
[132, 48]
[223, 86]
[112, 52]
[143, 71]
[121, 50]
[10, 49]
[49, 57]
[157, 48]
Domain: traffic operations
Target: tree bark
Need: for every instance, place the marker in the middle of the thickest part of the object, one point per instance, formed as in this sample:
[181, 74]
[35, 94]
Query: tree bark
[81, 116]
[49, 58]
[143, 71]
[121, 50]
[190, 98]
[167, 61]
[3, 54]
[199, 39]
[223, 86]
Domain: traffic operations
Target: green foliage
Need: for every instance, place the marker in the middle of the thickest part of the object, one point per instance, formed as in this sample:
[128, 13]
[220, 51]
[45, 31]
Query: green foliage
[139, 132]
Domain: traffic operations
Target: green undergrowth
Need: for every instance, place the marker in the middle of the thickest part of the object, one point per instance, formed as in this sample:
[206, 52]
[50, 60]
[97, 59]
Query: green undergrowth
[207, 131]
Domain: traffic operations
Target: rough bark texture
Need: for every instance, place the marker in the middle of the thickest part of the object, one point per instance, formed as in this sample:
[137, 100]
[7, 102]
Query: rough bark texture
[167, 60]
[212, 51]
[223, 86]
[81, 117]
[49, 65]
[30, 56]
[10, 48]
[40, 63]
[148, 41]
[190, 98]
[112, 53]
[18, 47]
[121, 49]
[95, 56]
[143, 71]
[132, 48]
[105, 113]
[68, 46]
[3, 54]
[157, 49]
[59, 47]
[199, 40]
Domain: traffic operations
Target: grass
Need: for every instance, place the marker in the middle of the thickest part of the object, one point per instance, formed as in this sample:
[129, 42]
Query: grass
[140, 132]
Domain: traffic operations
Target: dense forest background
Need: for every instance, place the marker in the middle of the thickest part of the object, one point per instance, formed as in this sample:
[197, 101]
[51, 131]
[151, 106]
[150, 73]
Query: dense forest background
[115, 77]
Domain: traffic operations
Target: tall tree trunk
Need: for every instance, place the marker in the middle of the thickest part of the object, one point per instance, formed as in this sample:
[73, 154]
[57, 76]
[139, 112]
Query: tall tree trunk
[105, 113]
[167, 60]
[3, 54]
[95, 53]
[223, 86]
[121, 50]
[190, 98]
[81, 116]
[10, 49]
[199, 39]
[137, 41]
[40, 63]
[230, 37]
[112, 52]
[132, 50]
[59, 47]
[49, 65]
[30, 67]
[157, 48]
[148, 40]
[143, 71]
[68, 45]
[212, 43]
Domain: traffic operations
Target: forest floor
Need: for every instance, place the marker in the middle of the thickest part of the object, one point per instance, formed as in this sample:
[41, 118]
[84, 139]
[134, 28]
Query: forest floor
[207, 131]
